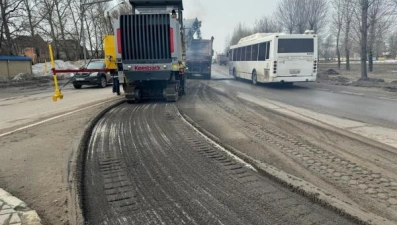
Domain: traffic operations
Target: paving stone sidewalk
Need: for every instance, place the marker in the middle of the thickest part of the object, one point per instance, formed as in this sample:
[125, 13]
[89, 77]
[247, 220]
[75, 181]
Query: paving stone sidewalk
[16, 212]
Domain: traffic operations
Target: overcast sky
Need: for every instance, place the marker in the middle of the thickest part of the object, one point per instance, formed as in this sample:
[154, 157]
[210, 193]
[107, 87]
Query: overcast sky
[219, 17]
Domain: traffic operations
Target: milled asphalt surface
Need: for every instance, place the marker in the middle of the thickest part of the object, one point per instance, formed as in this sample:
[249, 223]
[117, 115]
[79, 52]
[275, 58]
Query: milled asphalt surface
[145, 165]
[350, 105]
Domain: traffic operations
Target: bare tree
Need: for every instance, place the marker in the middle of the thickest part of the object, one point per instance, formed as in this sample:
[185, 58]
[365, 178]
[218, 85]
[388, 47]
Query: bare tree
[48, 26]
[380, 16]
[31, 18]
[301, 14]
[266, 25]
[392, 45]
[239, 32]
[316, 14]
[61, 10]
[74, 32]
[364, 6]
[348, 8]
[327, 48]
[10, 11]
[285, 14]
[338, 23]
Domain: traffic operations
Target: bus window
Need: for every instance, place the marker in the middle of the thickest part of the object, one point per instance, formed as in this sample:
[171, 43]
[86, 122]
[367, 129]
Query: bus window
[254, 53]
[262, 52]
[296, 45]
[248, 53]
[267, 50]
[234, 54]
[242, 54]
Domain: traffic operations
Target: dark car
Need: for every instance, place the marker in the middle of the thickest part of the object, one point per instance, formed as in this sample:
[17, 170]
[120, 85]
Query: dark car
[100, 79]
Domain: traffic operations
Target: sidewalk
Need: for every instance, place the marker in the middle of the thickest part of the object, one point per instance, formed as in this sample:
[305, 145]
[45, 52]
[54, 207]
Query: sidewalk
[14, 211]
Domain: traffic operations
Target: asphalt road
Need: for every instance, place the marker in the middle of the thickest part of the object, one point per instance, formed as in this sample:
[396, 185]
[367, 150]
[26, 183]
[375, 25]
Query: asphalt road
[343, 104]
[23, 106]
[145, 165]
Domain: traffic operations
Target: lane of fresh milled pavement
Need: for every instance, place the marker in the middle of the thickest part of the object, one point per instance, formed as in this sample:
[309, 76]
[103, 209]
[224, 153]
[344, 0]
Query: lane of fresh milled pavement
[371, 110]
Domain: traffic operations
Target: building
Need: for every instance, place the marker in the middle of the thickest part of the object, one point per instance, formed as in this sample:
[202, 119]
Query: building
[31, 46]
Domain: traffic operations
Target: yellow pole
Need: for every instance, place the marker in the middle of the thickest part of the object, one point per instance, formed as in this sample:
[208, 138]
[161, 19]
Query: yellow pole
[57, 93]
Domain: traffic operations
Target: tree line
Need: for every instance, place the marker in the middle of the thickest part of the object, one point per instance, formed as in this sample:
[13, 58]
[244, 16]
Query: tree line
[56, 21]
[344, 27]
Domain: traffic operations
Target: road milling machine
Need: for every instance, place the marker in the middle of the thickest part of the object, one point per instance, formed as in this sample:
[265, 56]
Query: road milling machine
[151, 50]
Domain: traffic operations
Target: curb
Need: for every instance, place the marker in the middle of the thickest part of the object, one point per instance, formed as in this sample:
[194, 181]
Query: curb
[299, 185]
[16, 211]
[81, 154]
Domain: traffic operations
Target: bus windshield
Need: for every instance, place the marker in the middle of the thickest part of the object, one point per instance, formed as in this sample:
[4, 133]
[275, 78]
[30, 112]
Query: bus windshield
[296, 45]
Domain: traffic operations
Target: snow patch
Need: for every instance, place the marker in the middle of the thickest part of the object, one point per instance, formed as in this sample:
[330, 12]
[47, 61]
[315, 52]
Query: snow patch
[44, 69]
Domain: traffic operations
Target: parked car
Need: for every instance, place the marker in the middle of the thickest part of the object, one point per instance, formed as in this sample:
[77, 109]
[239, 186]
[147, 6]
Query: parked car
[100, 79]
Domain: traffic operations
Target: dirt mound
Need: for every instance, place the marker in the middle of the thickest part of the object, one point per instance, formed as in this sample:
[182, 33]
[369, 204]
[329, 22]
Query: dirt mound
[340, 80]
[368, 79]
[376, 83]
[331, 72]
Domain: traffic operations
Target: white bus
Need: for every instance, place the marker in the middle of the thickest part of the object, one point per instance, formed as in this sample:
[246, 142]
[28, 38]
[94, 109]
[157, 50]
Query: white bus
[275, 58]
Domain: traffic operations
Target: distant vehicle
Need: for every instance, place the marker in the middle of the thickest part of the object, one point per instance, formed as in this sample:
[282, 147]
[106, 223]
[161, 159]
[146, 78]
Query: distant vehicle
[275, 58]
[199, 57]
[222, 59]
[100, 79]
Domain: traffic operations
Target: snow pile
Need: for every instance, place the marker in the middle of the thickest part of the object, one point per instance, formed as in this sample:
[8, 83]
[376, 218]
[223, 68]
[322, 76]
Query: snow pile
[22, 76]
[39, 69]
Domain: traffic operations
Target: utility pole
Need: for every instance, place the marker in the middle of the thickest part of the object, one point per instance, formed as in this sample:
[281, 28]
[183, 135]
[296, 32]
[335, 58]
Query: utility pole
[82, 11]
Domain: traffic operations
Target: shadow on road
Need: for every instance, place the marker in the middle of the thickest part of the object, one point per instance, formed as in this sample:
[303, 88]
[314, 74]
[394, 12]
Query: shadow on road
[278, 86]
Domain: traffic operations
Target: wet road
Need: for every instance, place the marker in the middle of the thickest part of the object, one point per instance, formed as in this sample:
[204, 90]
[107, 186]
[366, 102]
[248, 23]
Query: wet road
[372, 110]
[146, 165]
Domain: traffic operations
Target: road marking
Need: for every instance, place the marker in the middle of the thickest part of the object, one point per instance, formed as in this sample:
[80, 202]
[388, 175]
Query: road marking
[351, 93]
[52, 118]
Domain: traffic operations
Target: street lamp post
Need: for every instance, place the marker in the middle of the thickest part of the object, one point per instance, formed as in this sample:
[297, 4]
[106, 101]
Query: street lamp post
[82, 10]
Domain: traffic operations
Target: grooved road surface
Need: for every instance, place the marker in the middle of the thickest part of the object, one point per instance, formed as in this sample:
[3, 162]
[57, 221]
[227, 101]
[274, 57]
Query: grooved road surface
[145, 165]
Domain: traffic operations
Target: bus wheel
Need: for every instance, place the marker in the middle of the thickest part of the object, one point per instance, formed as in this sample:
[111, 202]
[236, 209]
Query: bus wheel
[254, 78]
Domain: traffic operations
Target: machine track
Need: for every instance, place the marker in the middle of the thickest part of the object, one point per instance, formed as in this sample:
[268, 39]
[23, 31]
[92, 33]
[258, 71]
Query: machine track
[145, 165]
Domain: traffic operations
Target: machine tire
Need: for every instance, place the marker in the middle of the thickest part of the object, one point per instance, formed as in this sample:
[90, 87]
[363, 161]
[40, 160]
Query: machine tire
[77, 86]
[254, 78]
[102, 82]
[208, 76]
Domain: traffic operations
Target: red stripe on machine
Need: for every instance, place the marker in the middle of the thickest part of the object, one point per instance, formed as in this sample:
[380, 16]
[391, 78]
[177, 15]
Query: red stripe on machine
[172, 39]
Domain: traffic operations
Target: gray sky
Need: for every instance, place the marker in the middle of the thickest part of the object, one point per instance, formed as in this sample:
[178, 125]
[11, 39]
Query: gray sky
[219, 17]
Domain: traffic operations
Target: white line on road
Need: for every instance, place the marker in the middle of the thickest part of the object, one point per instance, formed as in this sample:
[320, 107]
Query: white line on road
[351, 93]
[52, 118]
